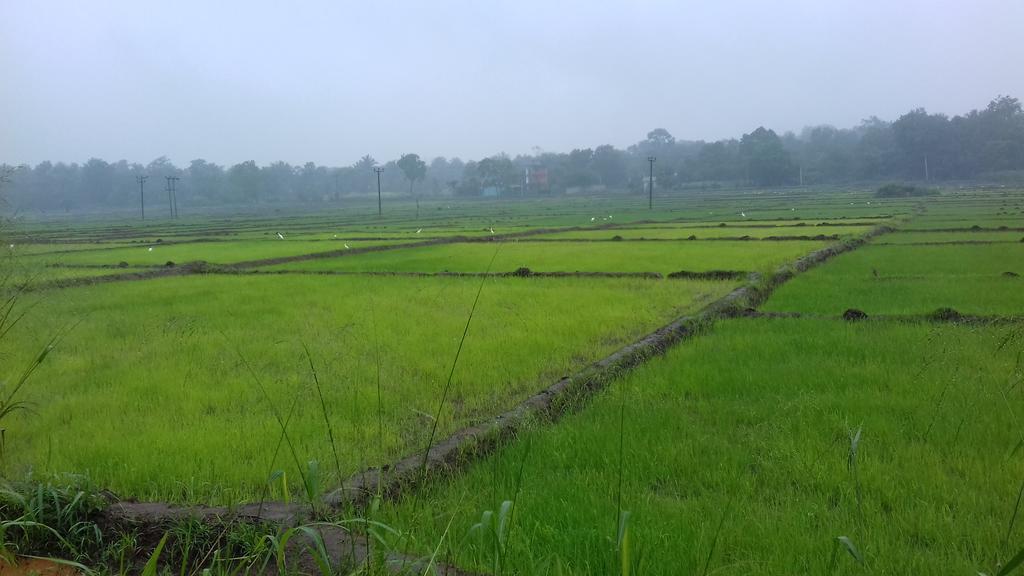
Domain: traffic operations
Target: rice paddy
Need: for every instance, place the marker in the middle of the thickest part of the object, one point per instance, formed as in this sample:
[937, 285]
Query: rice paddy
[784, 440]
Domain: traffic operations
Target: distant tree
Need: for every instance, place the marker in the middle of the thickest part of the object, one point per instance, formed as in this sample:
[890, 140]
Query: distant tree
[245, 182]
[413, 168]
[660, 138]
[278, 180]
[718, 161]
[363, 176]
[497, 171]
[578, 168]
[923, 141]
[610, 165]
[97, 181]
[204, 182]
[767, 161]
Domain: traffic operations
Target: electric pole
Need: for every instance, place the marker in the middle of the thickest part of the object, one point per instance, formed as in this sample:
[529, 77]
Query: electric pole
[170, 199]
[142, 193]
[174, 194]
[925, 167]
[650, 184]
[380, 211]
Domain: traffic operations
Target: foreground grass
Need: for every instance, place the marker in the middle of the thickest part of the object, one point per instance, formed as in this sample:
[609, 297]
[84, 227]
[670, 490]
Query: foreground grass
[149, 396]
[627, 256]
[737, 459]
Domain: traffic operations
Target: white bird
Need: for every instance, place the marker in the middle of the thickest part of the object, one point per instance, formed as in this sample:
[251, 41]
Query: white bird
[609, 216]
[150, 248]
[346, 247]
[280, 236]
[335, 235]
[744, 214]
[420, 230]
[11, 246]
[792, 209]
[492, 230]
[591, 218]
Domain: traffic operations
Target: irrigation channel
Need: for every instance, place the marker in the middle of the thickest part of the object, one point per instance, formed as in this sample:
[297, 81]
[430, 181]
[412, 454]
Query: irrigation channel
[445, 457]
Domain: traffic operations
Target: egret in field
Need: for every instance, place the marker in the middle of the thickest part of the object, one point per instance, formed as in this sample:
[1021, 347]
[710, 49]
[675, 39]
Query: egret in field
[346, 247]
[279, 235]
[420, 230]
[150, 248]
[335, 235]
[591, 218]
[11, 246]
[744, 214]
[492, 230]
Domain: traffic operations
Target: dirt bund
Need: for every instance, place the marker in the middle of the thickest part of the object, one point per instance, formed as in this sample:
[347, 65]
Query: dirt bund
[968, 229]
[693, 239]
[709, 275]
[939, 316]
[948, 243]
[519, 273]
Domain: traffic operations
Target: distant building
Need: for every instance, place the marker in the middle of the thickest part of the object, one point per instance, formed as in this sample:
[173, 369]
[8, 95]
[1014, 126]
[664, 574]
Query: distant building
[536, 179]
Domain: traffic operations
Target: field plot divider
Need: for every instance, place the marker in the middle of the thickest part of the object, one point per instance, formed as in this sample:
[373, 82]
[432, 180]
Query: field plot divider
[201, 267]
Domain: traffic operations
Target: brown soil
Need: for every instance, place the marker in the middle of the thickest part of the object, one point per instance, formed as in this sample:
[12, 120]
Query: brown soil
[36, 567]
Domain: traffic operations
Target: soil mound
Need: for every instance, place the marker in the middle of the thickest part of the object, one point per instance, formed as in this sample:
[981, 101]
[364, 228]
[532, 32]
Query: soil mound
[853, 315]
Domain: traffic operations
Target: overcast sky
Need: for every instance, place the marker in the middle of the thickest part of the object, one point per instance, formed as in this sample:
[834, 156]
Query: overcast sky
[330, 81]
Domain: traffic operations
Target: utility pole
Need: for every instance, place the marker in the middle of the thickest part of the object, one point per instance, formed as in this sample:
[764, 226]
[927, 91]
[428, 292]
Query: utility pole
[925, 167]
[174, 193]
[142, 193]
[170, 200]
[172, 196]
[378, 170]
[650, 184]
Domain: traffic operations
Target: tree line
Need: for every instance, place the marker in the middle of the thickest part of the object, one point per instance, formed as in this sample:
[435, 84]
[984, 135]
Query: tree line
[985, 143]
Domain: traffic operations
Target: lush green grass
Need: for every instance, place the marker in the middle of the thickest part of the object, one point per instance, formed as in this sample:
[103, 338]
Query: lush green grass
[911, 280]
[665, 232]
[929, 237]
[663, 257]
[749, 428]
[214, 252]
[148, 396]
[19, 250]
[965, 222]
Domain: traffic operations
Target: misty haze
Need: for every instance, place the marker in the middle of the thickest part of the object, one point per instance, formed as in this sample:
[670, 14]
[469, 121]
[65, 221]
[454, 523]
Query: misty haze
[624, 288]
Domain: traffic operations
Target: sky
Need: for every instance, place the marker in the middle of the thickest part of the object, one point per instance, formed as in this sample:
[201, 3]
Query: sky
[330, 81]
